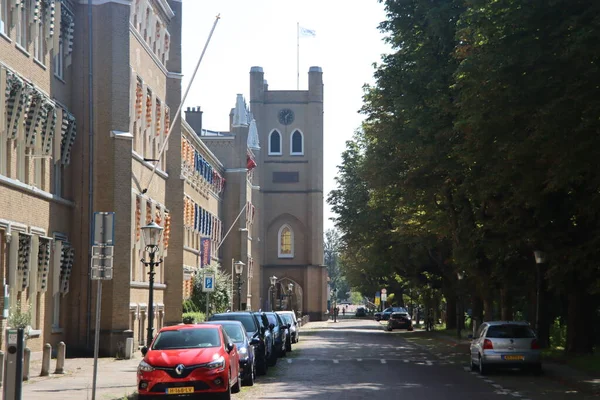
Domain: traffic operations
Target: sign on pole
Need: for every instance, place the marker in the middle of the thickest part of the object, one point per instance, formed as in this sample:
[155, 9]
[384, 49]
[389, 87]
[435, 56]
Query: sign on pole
[383, 291]
[208, 283]
[104, 228]
[383, 297]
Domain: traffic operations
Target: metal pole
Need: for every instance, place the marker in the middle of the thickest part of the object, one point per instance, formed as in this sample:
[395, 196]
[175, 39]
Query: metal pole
[19, 364]
[207, 303]
[97, 336]
[90, 166]
[537, 301]
[239, 290]
[151, 298]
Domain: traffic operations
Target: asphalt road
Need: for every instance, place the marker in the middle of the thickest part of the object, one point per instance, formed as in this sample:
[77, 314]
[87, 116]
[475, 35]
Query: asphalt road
[356, 359]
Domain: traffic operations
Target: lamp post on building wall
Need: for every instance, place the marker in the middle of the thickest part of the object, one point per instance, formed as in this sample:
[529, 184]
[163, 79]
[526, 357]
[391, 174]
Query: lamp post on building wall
[273, 280]
[290, 293]
[152, 235]
[239, 268]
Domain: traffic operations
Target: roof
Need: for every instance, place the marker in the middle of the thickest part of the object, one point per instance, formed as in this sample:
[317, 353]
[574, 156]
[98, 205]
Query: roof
[188, 326]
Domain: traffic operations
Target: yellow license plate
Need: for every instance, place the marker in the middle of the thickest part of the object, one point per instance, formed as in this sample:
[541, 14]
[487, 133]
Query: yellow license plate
[514, 358]
[180, 390]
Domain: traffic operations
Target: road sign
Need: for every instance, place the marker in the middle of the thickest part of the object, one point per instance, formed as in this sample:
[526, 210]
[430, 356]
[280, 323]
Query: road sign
[383, 291]
[383, 297]
[208, 283]
[377, 302]
[103, 251]
[104, 228]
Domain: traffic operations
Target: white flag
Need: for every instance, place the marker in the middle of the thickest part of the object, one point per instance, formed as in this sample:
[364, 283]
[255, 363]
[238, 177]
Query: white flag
[307, 32]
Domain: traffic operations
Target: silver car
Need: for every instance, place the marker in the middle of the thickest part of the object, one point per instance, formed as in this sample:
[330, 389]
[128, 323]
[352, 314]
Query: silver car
[506, 344]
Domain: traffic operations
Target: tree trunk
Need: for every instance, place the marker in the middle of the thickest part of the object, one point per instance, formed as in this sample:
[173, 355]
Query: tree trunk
[580, 338]
[506, 310]
[451, 312]
[488, 308]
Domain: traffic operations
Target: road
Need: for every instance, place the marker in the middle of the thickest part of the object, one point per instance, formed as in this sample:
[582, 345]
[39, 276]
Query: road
[356, 359]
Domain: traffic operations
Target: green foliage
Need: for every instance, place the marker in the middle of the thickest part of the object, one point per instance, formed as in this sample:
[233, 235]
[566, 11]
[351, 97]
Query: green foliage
[193, 317]
[356, 298]
[189, 306]
[19, 318]
[220, 299]
[558, 334]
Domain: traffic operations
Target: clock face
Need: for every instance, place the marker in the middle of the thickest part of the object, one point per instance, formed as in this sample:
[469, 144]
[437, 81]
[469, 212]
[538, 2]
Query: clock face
[286, 116]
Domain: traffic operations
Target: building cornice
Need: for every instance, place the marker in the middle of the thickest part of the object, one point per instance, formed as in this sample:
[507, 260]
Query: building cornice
[32, 190]
[196, 139]
[166, 8]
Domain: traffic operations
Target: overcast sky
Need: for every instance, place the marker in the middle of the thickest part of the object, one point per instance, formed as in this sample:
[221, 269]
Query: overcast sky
[263, 33]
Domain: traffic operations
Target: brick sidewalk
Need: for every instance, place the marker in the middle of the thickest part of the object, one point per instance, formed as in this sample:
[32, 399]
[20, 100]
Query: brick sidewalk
[116, 379]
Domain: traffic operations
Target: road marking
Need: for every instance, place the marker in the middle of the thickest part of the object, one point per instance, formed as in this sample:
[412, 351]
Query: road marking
[336, 361]
[488, 380]
[497, 386]
[428, 362]
[405, 360]
[383, 361]
[467, 369]
[516, 394]
[289, 360]
[359, 359]
[312, 359]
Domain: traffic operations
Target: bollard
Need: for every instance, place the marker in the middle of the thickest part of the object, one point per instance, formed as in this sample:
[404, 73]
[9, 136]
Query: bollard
[1, 367]
[128, 348]
[26, 359]
[60, 358]
[46, 355]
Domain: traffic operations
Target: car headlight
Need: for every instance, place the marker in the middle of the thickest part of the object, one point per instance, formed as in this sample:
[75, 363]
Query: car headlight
[218, 363]
[243, 351]
[145, 367]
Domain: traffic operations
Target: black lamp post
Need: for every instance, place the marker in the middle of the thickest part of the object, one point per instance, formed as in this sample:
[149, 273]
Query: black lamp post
[334, 305]
[540, 258]
[460, 276]
[152, 235]
[290, 292]
[239, 268]
[273, 280]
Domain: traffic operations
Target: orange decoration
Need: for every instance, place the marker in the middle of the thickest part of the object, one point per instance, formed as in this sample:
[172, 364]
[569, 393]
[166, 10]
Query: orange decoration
[148, 213]
[138, 217]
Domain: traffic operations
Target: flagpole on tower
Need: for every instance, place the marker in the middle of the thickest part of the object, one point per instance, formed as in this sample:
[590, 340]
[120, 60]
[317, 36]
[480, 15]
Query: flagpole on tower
[297, 55]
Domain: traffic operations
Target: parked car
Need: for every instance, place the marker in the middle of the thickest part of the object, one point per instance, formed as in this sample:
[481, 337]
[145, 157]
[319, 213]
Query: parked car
[264, 324]
[292, 327]
[399, 320]
[245, 346]
[280, 332]
[189, 359]
[385, 315]
[252, 326]
[360, 312]
[505, 344]
[295, 333]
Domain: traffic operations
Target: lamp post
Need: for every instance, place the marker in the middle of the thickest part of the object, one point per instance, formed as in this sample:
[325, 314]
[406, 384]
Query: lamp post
[540, 258]
[334, 305]
[239, 268]
[289, 296]
[273, 280]
[460, 276]
[152, 235]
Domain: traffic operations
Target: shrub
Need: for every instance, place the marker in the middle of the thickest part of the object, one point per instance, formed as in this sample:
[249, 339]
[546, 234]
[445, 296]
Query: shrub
[193, 317]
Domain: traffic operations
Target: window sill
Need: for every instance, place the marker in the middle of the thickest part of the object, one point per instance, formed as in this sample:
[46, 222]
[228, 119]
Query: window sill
[297, 154]
[57, 329]
[22, 50]
[38, 62]
[285, 256]
[5, 36]
[275, 154]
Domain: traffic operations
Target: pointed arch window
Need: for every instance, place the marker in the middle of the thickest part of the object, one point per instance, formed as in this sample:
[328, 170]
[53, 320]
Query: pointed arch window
[297, 143]
[275, 143]
[285, 242]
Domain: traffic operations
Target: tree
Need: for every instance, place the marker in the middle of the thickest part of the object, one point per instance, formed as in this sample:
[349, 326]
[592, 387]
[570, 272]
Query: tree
[220, 298]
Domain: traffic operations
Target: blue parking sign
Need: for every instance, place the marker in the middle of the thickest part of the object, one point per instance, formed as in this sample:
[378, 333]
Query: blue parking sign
[208, 283]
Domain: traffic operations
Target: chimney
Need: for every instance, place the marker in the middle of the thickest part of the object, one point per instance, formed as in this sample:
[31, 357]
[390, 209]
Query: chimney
[193, 116]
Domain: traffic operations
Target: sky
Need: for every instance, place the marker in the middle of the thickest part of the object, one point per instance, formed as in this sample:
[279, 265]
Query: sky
[264, 33]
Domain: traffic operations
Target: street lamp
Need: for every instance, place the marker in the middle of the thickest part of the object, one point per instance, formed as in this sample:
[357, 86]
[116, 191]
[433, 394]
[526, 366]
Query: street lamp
[540, 258]
[273, 280]
[239, 268]
[289, 296]
[460, 275]
[152, 235]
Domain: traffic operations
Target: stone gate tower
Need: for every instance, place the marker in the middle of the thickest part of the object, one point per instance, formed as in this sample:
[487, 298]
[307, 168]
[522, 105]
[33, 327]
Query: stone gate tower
[290, 175]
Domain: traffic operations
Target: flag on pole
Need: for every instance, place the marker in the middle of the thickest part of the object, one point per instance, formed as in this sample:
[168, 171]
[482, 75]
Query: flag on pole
[307, 32]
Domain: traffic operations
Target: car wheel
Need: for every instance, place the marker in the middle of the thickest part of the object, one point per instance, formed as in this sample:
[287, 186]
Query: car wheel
[472, 364]
[483, 370]
[236, 386]
[249, 381]
[288, 345]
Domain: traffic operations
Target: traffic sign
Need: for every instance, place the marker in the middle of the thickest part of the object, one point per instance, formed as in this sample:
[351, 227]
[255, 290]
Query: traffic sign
[383, 297]
[208, 283]
[104, 228]
[383, 291]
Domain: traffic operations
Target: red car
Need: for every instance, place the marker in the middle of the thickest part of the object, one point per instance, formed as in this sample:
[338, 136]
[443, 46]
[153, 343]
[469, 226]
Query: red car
[189, 359]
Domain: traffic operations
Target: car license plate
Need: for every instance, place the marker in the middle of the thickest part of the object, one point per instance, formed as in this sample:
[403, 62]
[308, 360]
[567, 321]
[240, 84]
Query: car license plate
[180, 390]
[513, 358]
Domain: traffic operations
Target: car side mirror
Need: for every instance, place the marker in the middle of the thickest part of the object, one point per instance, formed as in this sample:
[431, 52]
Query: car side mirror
[271, 326]
[230, 347]
[144, 350]
[255, 342]
[289, 326]
[262, 330]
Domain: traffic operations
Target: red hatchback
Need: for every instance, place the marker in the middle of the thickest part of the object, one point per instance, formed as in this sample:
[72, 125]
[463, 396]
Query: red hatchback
[187, 360]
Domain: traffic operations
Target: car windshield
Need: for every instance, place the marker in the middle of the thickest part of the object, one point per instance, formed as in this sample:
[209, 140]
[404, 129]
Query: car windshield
[187, 338]
[287, 318]
[510, 332]
[234, 332]
[246, 320]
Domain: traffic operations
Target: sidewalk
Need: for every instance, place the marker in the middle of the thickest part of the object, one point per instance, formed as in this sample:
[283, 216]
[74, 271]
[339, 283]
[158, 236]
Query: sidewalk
[115, 380]
[562, 373]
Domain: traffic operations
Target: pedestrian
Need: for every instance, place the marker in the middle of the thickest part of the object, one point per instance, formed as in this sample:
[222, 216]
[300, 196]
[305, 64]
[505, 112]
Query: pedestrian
[343, 312]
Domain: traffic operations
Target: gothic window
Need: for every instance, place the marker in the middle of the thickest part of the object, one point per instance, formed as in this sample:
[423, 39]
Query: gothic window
[275, 143]
[297, 144]
[286, 242]
[4, 17]
[23, 24]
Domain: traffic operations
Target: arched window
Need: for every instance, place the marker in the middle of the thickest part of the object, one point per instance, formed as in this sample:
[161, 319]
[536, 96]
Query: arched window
[297, 144]
[275, 143]
[286, 242]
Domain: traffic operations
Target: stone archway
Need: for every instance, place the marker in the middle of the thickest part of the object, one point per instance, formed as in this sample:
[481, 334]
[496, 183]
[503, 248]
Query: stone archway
[286, 300]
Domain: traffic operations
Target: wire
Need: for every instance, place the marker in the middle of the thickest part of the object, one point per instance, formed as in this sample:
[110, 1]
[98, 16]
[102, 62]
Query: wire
[164, 145]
